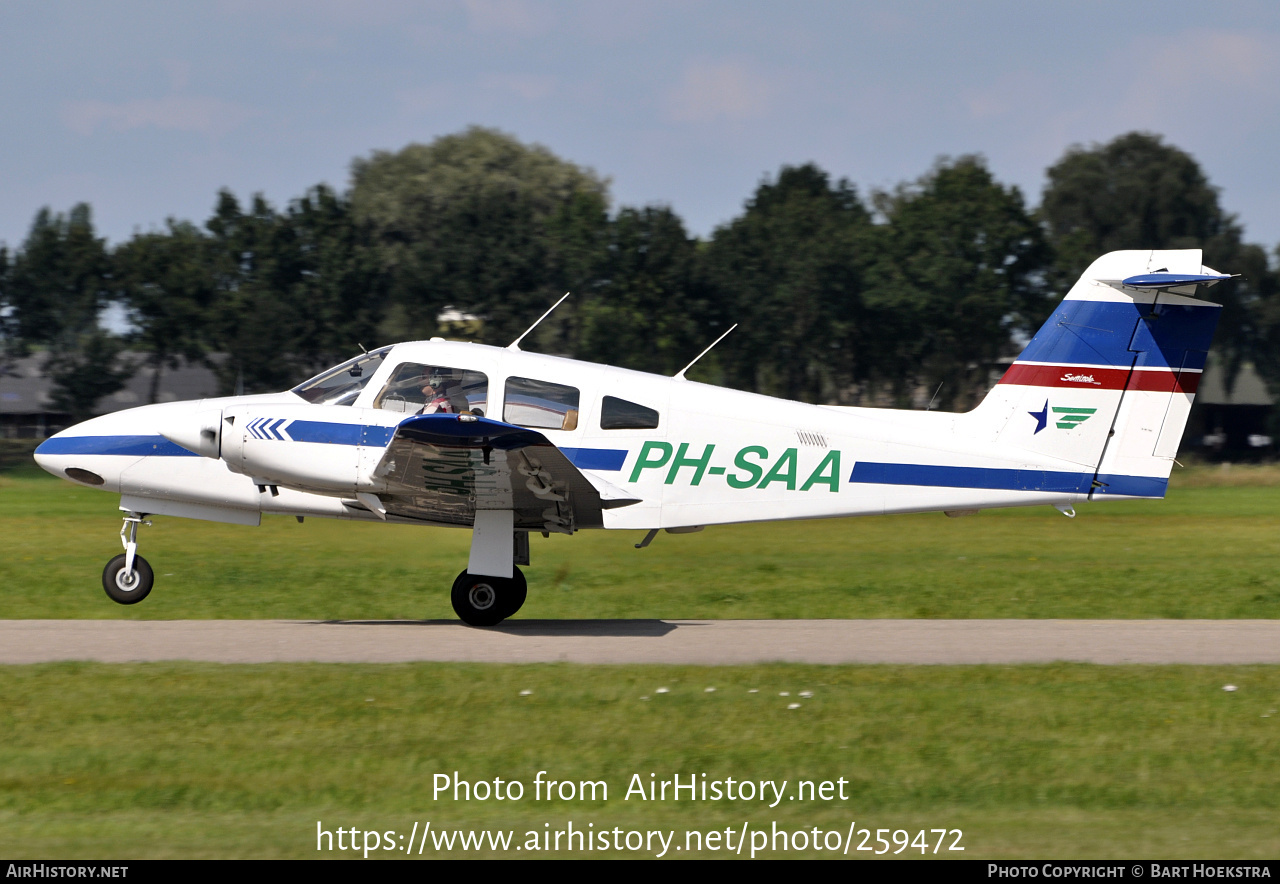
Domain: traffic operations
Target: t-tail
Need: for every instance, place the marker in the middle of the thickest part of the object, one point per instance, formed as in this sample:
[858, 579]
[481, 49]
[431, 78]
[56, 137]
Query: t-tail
[1107, 382]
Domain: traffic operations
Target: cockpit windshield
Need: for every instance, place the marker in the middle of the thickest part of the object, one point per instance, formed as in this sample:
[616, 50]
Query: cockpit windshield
[341, 385]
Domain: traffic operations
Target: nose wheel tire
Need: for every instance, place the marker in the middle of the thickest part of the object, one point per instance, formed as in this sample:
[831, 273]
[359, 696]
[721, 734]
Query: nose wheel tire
[487, 601]
[127, 587]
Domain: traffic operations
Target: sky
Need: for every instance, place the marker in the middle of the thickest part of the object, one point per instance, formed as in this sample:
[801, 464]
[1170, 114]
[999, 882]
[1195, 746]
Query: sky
[146, 109]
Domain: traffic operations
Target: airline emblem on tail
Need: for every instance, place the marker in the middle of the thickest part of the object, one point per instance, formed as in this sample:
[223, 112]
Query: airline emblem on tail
[1066, 419]
[1072, 417]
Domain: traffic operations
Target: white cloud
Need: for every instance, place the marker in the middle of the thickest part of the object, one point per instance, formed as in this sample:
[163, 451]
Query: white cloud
[346, 13]
[1207, 91]
[179, 72]
[487, 92]
[201, 115]
[530, 87]
[519, 17]
[719, 91]
[425, 99]
[1198, 77]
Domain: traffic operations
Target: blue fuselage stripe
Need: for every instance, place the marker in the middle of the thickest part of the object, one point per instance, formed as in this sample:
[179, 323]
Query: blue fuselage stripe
[1132, 486]
[993, 479]
[970, 477]
[608, 459]
[115, 446]
[328, 433]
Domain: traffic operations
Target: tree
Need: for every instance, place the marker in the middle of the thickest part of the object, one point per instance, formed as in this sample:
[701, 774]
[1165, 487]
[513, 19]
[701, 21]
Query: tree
[481, 222]
[1264, 314]
[59, 281]
[650, 312]
[8, 318]
[1136, 192]
[340, 284]
[82, 374]
[959, 267]
[167, 289]
[251, 320]
[293, 291]
[789, 271]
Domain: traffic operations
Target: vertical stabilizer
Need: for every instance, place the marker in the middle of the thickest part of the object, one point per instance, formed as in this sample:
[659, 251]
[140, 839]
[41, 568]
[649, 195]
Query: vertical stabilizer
[1107, 382]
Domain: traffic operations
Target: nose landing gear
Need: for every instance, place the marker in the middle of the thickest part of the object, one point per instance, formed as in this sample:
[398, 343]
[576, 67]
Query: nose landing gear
[128, 578]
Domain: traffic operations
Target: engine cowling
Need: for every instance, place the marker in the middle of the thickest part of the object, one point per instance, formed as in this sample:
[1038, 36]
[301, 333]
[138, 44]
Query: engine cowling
[200, 432]
[308, 447]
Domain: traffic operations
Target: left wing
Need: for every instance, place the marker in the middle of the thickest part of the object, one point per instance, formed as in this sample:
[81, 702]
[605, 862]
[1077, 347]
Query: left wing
[444, 467]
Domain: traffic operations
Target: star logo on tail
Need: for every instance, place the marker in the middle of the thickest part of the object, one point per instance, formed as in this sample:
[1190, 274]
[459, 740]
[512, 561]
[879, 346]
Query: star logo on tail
[1041, 416]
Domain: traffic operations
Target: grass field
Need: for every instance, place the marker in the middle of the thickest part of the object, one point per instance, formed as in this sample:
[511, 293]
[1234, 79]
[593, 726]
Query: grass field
[190, 760]
[1210, 550]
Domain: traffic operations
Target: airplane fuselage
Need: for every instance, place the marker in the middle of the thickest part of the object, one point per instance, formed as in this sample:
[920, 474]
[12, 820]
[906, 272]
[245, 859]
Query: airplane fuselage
[716, 455]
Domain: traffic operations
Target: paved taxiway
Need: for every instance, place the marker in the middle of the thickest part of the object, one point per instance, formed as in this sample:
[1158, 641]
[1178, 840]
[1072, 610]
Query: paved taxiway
[711, 642]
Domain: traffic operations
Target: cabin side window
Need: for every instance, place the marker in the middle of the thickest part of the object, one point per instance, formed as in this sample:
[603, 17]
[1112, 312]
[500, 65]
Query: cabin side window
[619, 414]
[416, 388]
[540, 404]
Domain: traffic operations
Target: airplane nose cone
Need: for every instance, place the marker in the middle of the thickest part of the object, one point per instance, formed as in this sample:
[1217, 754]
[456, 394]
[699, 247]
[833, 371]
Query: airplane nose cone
[47, 453]
[77, 453]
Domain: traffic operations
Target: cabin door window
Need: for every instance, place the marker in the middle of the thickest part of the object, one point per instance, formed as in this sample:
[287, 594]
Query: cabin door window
[540, 404]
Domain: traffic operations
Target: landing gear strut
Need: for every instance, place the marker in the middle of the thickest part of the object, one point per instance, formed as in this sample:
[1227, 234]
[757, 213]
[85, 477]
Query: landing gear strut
[487, 601]
[128, 578]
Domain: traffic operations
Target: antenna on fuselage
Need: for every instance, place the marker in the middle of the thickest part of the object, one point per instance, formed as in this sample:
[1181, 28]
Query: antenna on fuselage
[929, 407]
[515, 345]
[680, 374]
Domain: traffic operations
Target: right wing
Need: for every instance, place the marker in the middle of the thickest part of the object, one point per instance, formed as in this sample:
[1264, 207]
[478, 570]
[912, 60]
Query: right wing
[443, 467]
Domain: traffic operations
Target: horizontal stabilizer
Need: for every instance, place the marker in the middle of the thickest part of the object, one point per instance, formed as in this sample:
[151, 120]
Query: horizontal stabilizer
[1174, 283]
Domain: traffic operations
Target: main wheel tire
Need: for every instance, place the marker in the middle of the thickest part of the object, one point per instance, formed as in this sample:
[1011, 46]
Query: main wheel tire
[516, 593]
[487, 601]
[127, 587]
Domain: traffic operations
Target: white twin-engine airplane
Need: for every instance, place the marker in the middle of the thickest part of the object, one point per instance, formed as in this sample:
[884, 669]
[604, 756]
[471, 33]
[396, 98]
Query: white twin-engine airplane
[506, 442]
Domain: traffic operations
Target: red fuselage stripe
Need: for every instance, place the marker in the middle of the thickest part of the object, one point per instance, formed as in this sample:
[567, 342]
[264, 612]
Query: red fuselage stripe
[1091, 377]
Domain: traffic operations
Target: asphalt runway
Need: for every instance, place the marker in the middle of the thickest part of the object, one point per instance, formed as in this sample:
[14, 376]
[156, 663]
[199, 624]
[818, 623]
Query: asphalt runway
[705, 642]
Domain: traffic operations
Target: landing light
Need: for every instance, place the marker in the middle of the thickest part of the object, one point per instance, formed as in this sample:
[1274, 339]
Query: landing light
[84, 476]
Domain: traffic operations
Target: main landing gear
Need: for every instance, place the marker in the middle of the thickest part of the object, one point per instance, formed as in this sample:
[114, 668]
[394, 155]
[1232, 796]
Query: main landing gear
[128, 578]
[487, 601]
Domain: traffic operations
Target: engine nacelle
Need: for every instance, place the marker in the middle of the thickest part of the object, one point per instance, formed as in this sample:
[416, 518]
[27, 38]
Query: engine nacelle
[200, 432]
[318, 448]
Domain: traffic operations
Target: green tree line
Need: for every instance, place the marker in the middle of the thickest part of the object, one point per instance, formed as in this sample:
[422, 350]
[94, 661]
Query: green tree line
[840, 296]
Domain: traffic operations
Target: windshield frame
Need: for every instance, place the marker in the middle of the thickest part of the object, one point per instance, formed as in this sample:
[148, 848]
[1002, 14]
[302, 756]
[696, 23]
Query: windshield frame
[314, 391]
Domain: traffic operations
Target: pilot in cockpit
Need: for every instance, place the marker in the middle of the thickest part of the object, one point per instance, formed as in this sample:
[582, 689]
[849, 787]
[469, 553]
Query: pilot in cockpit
[435, 393]
[431, 389]
[442, 393]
